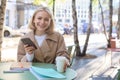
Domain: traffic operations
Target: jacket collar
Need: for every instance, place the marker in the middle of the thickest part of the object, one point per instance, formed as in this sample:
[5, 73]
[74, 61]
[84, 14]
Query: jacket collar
[52, 37]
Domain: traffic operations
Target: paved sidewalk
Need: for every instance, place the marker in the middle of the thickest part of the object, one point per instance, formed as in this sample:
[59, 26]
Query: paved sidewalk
[97, 66]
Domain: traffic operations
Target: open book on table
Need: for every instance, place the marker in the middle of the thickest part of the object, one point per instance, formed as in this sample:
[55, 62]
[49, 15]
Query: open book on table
[20, 66]
[41, 73]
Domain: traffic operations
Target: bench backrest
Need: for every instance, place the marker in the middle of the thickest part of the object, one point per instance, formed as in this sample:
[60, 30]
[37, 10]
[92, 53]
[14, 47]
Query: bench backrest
[71, 51]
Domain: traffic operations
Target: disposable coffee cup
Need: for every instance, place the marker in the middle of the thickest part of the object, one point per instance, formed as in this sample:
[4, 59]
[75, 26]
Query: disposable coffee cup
[60, 63]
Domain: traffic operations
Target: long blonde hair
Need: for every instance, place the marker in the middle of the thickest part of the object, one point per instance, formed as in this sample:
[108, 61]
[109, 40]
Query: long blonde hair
[51, 26]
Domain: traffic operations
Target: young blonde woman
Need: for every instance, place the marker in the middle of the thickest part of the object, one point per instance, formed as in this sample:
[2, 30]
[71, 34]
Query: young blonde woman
[50, 44]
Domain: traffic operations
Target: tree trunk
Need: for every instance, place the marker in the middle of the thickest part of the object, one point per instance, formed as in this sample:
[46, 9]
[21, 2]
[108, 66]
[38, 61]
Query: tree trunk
[118, 23]
[53, 7]
[2, 17]
[89, 29]
[76, 41]
[110, 18]
[103, 24]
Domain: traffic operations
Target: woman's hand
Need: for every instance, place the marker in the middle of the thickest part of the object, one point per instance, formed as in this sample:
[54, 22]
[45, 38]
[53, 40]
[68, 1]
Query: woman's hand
[62, 63]
[29, 49]
[66, 64]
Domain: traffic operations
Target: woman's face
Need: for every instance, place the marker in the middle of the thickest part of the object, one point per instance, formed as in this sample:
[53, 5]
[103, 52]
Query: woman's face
[42, 21]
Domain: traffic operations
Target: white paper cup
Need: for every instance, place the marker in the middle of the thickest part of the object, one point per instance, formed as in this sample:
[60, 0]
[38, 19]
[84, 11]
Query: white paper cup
[60, 63]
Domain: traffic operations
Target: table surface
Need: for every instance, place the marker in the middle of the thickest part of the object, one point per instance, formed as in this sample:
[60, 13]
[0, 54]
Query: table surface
[114, 49]
[27, 75]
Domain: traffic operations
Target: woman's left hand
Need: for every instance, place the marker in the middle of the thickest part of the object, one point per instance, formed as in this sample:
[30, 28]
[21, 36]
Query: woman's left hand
[66, 64]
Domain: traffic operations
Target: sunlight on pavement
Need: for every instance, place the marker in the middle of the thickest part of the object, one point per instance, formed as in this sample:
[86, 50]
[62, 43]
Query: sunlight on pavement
[9, 49]
[9, 54]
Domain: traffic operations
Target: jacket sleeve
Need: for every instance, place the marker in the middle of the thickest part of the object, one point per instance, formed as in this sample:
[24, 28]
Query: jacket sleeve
[61, 49]
[21, 55]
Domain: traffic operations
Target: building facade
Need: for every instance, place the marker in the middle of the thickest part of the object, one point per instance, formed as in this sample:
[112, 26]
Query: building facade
[63, 12]
[18, 12]
[11, 14]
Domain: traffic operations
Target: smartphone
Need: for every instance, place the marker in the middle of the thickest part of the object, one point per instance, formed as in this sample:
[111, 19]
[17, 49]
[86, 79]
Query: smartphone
[29, 42]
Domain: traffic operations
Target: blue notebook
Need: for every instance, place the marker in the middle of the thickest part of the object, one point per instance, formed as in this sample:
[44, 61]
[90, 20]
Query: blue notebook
[45, 73]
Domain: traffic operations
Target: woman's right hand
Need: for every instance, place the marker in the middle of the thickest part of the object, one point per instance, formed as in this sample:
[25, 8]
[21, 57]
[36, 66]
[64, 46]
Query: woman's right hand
[29, 49]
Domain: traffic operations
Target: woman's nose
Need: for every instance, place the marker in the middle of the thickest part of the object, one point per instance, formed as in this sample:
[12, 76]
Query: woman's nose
[42, 21]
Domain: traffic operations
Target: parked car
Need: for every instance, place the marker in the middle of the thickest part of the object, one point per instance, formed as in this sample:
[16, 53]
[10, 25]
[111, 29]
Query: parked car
[7, 32]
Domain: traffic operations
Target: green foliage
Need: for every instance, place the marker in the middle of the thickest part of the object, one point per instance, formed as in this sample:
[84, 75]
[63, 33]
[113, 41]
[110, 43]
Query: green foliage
[95, 2]
[47, 2]
[61, 1]
[37, 2]
[118, 75]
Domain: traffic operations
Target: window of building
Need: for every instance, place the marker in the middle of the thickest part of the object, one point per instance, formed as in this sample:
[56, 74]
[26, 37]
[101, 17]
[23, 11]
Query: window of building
[81, 16]
[59, 20]
[81, 11]
[69, 11]
[68, 15]
[62, 15]
[7, 18]
[83, 21]
[84, 16]
[67, 20]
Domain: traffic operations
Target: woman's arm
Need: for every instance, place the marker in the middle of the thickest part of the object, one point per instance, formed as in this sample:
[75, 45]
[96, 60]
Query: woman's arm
[62, 51]
[21, 52]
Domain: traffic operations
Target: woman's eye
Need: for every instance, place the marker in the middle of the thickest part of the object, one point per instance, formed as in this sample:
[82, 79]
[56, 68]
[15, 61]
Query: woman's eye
[46, 19]
[39, 18]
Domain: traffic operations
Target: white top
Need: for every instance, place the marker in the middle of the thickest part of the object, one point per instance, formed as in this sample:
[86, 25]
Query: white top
[39, 40]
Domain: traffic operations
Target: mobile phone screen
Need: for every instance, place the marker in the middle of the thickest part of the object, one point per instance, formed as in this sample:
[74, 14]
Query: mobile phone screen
[28, 41]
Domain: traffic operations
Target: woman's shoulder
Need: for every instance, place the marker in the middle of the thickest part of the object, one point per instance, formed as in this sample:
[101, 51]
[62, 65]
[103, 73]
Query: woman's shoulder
[54, 36]
[57, 33]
